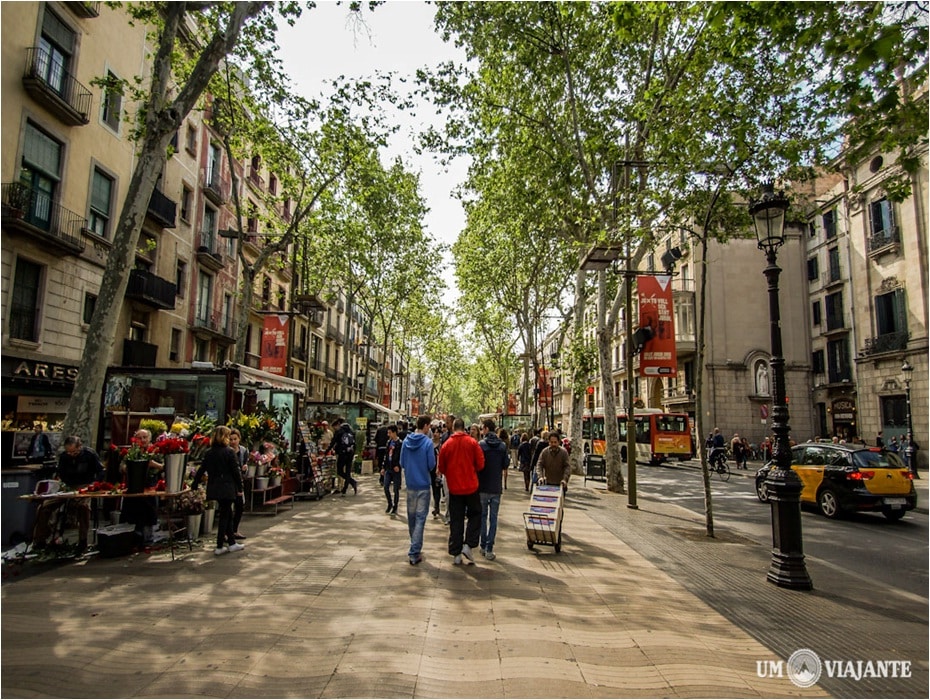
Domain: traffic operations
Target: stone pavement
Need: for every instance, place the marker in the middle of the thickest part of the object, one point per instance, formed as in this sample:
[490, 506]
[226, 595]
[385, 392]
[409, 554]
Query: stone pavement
[322, 603]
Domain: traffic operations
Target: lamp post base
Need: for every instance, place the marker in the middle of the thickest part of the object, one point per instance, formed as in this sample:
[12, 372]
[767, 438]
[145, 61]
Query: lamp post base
[787, 570]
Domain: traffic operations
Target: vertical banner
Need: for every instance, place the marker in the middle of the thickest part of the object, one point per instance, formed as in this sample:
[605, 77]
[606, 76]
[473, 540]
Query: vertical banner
[386, 393]
[274, 344]
[414, 407]
[543, 387]
[511, 404]
[656, 313]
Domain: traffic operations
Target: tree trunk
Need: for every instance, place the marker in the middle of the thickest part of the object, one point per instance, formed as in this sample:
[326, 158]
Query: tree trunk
[576, 410]
[611, 432]
[698, 394]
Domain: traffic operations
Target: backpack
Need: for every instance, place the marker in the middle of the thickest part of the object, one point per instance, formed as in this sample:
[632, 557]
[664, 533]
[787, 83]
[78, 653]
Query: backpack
[347, 439]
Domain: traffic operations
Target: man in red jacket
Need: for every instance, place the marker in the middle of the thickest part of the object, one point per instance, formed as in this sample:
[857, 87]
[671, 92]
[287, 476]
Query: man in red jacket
[460, 460]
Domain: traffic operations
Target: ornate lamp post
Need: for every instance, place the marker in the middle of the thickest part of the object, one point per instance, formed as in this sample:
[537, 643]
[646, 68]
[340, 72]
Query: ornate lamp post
[787, 568]
[906, 370]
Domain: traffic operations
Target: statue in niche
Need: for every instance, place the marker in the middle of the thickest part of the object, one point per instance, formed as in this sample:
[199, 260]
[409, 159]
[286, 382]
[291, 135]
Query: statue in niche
[762, 378]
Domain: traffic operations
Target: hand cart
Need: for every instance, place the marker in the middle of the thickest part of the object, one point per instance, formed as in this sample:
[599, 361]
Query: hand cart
[543, 521]
[320, 478]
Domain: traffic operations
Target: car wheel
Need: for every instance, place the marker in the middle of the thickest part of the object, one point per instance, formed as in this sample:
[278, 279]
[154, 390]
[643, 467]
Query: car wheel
[893, 515]
[829, 504]
[762, 491]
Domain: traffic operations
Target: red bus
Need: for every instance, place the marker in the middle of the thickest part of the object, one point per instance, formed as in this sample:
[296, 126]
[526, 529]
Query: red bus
[659, 435]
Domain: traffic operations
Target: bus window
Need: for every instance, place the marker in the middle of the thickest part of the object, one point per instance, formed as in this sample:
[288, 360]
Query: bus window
[621, 424]
[597, 429]
[642, 430]
[671, 424]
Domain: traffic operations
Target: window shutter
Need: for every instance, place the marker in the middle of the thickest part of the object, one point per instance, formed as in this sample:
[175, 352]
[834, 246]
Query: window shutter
[900, 311]
[42, 152]
[100, 196]
[58, 32]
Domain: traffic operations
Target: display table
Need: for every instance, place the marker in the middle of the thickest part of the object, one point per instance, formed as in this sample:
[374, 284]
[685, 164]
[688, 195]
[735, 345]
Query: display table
[168, 496]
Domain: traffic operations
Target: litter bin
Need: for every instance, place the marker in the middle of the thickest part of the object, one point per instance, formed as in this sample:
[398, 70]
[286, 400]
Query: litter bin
[18, 515]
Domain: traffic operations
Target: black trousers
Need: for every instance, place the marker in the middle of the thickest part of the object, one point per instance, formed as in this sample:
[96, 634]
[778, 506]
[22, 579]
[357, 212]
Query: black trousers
[464, 521]
[224, 530]
[344, 470]
[436, 486]
[238, 507]
[392, 483]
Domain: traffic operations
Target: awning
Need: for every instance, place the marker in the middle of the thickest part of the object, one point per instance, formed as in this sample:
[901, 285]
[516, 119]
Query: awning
[267, 380]
[391, 414]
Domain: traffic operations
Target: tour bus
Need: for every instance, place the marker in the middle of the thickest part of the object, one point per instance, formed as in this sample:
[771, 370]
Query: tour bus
[659, 435]
[508, 421]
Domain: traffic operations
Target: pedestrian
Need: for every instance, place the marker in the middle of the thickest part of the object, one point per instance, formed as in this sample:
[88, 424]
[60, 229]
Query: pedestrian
[496, 463]
[538, 449]
[242, 459]
[525, 459]
[460, 460]
[326, 437]
[553, 466]
[437, 481]
[893, 445]
[505, 438]
[390, 469]
[40, 449]
[879, 440]
[475, 431]
[747, 450]
[418, 460]
[381, 440]
[344, 447]
[515, 440]
[912, 448]
[224, 484]
[736, 448]
[143, 512]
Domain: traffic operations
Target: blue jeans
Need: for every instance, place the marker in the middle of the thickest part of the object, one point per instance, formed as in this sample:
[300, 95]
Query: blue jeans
[417, 510]
[490, 504]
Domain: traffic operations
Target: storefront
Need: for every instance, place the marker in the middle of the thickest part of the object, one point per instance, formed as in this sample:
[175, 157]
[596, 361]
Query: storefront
[35, 394]
[843, 412]
[131, 395]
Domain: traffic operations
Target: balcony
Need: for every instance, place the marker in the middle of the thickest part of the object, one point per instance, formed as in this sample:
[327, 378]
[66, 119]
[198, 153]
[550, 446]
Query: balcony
[139, 354]
[55, 88]
[256, 180]
[835, 324]
[84, 9]
[36, 215]
[300, 353]
[215, 187]
[162, 209]
[215, 326]
[331, 373]
[151, 290]
[886, 241]
[887, 342]
[208, 253]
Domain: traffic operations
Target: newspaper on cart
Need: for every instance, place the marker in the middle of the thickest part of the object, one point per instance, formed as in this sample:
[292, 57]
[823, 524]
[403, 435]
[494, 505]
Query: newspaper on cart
[543, 520]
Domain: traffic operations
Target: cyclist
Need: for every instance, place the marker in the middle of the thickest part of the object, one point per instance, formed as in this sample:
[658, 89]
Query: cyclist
[718, 450]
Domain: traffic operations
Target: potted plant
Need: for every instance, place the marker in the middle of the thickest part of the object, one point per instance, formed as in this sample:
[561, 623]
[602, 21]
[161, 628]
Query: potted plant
[155, 426]
[275, 475]
[174, 448]
[137, 465]
[190, 504]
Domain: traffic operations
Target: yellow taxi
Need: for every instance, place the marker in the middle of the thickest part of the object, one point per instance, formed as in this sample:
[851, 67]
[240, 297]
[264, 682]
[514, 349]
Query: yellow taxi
[848, 478]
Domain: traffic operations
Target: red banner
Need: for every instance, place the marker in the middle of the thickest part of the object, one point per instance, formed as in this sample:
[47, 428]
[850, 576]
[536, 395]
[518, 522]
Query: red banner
[414, 407]
[512, 404]
[655, 312]
[544, 387]
[274, 344]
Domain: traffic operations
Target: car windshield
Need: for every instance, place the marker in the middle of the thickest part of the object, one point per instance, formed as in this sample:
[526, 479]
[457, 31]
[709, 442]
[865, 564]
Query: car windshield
[874, 460]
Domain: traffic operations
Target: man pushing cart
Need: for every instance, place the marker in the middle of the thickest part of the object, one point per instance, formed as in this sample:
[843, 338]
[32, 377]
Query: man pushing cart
[543, 521]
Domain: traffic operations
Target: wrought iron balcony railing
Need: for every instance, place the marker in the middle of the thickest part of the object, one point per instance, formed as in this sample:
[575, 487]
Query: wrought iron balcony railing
[48, 82]
[887, 342]
[34, 212]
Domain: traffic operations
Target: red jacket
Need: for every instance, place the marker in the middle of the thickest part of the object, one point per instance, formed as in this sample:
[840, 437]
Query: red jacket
[460, 460]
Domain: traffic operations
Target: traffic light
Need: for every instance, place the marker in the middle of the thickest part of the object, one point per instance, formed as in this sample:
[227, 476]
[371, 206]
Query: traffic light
[642, 336]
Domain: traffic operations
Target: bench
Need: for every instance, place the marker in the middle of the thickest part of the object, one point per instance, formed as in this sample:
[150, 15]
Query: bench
[289, 498]
[595, 467]
[288, 488]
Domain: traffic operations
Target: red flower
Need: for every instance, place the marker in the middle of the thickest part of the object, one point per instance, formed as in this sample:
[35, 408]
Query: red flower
[169, 445]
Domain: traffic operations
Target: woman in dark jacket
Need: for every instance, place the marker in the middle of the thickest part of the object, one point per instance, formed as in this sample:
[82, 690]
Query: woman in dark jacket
[525, 459]
[224, 484]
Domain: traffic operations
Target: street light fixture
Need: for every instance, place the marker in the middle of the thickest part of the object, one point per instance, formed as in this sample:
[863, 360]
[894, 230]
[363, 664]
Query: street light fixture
[906, 370]
[787, 569]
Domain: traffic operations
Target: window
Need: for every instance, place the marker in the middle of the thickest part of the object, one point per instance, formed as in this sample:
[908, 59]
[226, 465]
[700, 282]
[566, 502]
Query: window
[282, 297]
[180, 278]
[881, 217]
[208, 234]
[90, 303]
[24, 306]
[251, 224]
[174, 352]
[266, 292]
[838, 361]
[202, 350]
[214, 159]
[272, 184]
[815, 313]
[112, 103]
[204, 297]
[833, 255]
[190, 142]
[186, 198]
[101, 196]
[829, 223]
[228, 313]
[894, 411]
[834, 309]
[817, 363]
[813, 269]
[891, 313]
[41, 168]
[56, 46]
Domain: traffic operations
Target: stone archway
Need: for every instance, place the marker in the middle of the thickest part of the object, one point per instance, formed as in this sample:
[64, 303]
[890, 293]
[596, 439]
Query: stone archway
[656, 394]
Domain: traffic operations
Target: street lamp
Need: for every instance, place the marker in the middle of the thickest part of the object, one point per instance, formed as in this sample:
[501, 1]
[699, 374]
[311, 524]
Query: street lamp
[906, 369]
[787, 568]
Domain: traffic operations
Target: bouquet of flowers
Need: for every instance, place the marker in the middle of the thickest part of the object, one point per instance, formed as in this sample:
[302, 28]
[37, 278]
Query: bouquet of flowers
[198, 446]
[276, 471]
[171, 444]
[135, 452]
[190, 502]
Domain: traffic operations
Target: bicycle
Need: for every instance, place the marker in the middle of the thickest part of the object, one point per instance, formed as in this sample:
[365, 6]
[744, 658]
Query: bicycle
[717, 462]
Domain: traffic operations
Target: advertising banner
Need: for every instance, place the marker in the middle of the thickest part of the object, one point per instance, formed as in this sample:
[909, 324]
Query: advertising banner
[274, 344]
[656, 313]
[544, 388]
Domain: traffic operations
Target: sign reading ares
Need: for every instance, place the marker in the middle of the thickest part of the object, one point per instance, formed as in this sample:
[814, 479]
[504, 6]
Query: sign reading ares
[32, 369]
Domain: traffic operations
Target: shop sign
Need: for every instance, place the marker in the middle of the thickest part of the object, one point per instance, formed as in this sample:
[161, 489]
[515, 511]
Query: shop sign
[274, 344]
[46, 371]
[42, 404]
[844, 409]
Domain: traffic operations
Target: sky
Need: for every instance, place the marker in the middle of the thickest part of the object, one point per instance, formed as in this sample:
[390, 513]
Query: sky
[396, 36]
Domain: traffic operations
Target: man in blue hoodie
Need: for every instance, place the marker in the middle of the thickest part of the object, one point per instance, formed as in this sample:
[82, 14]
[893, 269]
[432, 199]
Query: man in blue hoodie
[418, 459]
[496, 460]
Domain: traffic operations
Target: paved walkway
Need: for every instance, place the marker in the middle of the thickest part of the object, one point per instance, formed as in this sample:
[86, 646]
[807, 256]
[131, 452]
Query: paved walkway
[322, 603]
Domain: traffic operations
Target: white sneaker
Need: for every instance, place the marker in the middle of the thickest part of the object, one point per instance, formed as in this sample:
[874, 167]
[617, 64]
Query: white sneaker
[457, 560]
[220, 550]
[236, 547]
[466, 552]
